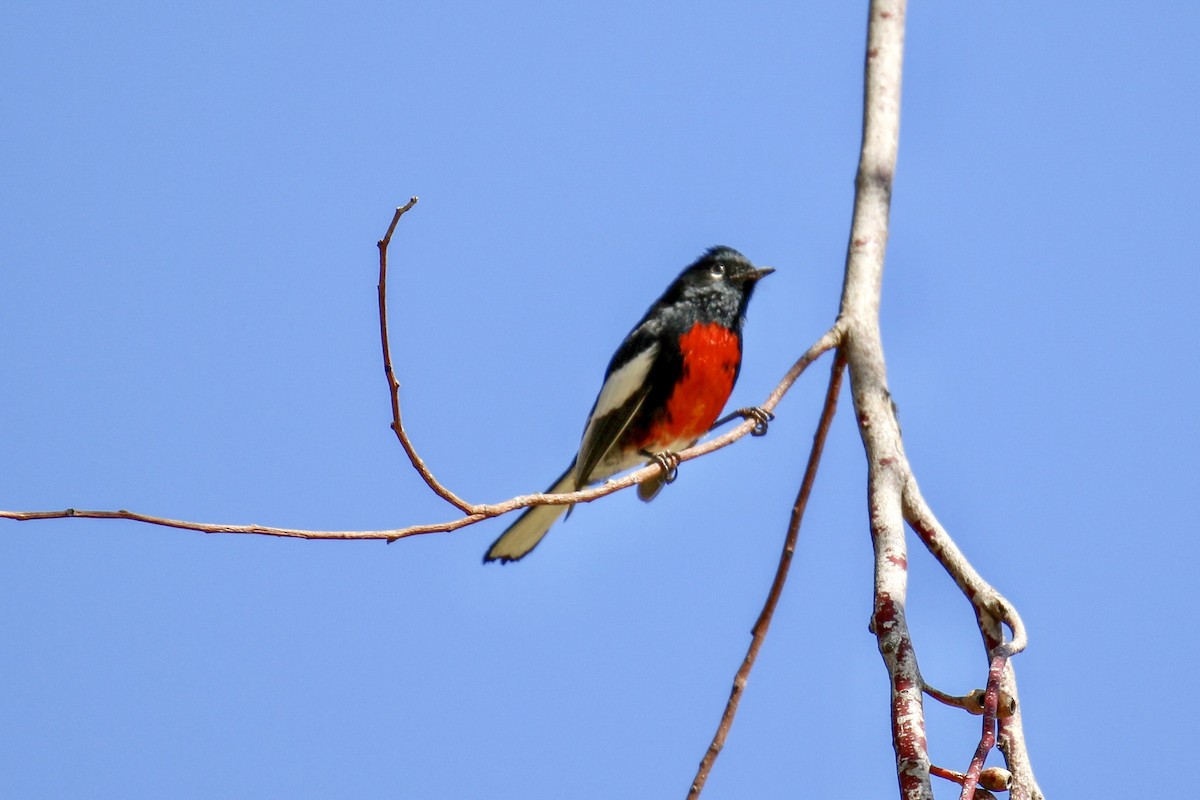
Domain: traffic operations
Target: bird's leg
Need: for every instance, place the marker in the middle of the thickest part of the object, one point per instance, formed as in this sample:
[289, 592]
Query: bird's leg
[760, 416]
[668, 462]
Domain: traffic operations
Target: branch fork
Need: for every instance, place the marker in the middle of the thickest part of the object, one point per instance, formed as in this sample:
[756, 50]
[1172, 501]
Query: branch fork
[894, 499]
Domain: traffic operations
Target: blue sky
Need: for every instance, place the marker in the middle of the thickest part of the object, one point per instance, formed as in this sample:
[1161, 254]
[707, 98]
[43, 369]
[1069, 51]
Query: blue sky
[188, 211]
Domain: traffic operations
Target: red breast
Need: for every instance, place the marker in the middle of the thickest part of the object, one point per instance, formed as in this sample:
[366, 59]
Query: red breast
[711, 355]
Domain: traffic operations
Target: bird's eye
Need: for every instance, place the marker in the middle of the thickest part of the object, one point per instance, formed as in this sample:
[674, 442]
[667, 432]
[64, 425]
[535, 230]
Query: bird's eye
[717, 270]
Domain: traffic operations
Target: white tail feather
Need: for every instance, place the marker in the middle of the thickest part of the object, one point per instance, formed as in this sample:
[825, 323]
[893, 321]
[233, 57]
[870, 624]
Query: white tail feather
[524, 534]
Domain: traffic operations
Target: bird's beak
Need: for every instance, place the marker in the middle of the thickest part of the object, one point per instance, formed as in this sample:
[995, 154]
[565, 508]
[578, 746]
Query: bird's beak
[760, 273]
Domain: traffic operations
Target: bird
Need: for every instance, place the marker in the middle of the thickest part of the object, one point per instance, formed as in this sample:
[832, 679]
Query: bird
[664, 388]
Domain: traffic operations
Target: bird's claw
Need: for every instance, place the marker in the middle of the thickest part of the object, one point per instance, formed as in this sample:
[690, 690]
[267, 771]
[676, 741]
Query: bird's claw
[761, 417]
[668, 462]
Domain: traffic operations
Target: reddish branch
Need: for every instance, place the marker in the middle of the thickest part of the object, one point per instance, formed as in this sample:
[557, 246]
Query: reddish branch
[759, 632]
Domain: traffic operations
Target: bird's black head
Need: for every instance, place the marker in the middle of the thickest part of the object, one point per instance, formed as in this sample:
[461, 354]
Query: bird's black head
[725, 264]
[716, 286]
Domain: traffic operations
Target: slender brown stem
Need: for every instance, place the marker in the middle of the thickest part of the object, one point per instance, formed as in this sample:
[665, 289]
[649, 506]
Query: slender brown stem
[759, 632]
[987, 739]
[473, 513]
[259, 530]
[394, 385]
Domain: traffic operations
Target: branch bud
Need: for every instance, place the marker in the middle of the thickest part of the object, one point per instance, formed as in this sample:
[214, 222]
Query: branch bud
[1006, 704]
[998, 779]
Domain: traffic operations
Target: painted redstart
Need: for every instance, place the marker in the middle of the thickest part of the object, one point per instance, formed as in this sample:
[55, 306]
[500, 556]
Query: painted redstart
[663, 390]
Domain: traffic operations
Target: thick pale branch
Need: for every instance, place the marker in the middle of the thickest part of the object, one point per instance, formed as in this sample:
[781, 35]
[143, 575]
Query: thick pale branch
[887, 467]
[893, 495]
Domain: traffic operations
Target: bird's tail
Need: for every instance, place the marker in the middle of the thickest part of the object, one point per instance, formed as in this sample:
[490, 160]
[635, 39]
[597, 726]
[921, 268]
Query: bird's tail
[524, 534]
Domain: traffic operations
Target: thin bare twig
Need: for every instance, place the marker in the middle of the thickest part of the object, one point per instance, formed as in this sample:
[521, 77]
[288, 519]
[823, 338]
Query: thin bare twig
[987, 739]
[973, 703]
[992, 779]
[258, 530]
[393, 384]
[759, 632]
[473, 512]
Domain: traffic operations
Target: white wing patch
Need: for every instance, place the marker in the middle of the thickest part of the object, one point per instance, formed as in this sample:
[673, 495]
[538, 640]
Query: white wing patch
[623, 384]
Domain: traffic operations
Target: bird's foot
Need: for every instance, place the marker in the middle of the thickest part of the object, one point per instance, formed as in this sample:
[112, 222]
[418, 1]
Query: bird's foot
[761, 417]
[669, 463]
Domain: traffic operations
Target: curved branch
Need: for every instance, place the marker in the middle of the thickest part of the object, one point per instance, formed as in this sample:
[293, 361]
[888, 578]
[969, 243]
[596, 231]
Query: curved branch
[393, 384]
[473, 512]
[992, 610]
[988, 603]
